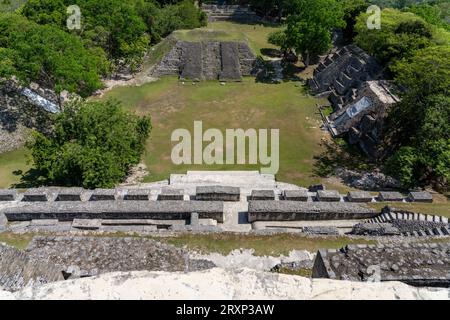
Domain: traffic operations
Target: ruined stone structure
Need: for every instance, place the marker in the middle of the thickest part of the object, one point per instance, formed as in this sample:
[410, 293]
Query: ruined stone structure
[418, 264]
[20, 113]
[17, 269]
[208, 60]
[295, 210]
[394, 221]
[198, 202]
[90, 256]
[353, 82]
[229, 12]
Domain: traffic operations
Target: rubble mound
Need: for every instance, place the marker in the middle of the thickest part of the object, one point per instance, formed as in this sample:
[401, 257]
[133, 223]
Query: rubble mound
[19, 114]
[90, 256]
[18, 270]
[417, 264]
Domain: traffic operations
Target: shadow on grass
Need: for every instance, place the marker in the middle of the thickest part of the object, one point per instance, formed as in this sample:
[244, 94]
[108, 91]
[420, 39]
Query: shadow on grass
[29, 179]
[339, 153]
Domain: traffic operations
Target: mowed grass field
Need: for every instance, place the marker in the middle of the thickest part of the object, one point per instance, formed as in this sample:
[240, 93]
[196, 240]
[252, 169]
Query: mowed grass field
[12, 165]
[173, 105]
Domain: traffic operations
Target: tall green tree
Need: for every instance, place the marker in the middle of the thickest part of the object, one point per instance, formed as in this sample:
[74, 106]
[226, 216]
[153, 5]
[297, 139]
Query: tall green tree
[310, 25]
[93, 144]
[418, 128]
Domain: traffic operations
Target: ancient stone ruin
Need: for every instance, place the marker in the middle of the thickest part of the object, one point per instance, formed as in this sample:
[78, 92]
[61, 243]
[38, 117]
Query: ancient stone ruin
[208, 60]
[353, 82]
[211, 202]
[229, 12]
[418, 264]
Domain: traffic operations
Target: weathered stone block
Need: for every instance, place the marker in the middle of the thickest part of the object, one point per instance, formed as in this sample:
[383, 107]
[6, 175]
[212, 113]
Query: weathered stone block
[86, 224]
[262, 195]
[420, 196]
[390, 196]
[103, 195]
[328, 195]
[171, 194]
[137, 194]
[295, 195]
[359, 196]
[69, 194]
[217, 193]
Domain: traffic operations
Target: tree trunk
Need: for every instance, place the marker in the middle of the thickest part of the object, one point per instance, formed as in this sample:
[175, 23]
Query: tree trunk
[306, 61]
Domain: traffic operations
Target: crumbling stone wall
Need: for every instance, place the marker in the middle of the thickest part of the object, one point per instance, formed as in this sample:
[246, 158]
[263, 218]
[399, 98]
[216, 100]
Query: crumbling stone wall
[418, 264]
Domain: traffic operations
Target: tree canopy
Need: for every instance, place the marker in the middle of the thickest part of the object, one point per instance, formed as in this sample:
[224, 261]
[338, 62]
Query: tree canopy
[48, 55]
[310, 24]
[93, 144]
[419, 126]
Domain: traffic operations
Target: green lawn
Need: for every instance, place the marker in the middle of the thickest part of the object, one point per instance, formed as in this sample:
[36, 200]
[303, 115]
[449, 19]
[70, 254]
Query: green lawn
[245, 105]
[12, 165]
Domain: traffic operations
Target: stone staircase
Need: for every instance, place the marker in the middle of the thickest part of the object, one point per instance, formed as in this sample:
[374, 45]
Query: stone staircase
[229, 12]
[388, 216]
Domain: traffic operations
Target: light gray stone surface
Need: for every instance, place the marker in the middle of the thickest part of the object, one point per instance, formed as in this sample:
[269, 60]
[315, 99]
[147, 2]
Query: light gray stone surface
[390, 196]
[220, 284]
[359, 196]
[328, 195]
[295, 195]
[420, 196]
[295, 210]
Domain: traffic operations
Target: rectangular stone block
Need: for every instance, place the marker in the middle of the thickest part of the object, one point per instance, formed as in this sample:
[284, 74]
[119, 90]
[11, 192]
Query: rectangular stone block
[171, 194]
[295, 195]
[86, 224]
[307, 211]
[420, 196]
[359, 196]
[217, 193]
[262, 195]
[69, 194]
[137, 194]
[194, 219]
[35, 195]
[123, 210]
[390, 196]
[103, 195]
[44, 222]
[328, 196]
[8, 195]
